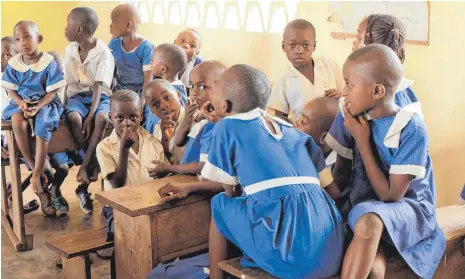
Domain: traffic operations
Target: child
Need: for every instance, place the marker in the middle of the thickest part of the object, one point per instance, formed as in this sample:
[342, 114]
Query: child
[168, 61]
[301, 242]
[32, 79]
[390, 31]
[191, 42]
[392, 197]
[462, 196]
[89, 72]
[197, 135]
[133, 56]
[315, 120]
[307, 77]
[164, 102]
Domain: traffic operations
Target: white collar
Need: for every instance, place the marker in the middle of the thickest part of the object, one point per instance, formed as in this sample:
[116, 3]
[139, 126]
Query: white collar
[317, 66]
[99, 48]
[401, 120]
[18, 64]
[131, 51]
[197, 128]
[404, 84]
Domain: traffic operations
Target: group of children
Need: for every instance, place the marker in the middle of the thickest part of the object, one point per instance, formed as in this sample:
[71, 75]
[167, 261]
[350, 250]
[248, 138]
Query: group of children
[324, 158]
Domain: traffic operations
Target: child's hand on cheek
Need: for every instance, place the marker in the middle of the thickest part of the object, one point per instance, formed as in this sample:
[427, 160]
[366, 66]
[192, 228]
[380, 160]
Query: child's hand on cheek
[209, 113]
[357, 127]
[191, 109]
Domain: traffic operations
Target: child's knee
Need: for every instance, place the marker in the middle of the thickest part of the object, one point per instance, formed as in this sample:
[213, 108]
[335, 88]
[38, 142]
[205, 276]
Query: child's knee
[378, 270]
[62, 170]
[368, 226]
[102, 119]
[74, 118]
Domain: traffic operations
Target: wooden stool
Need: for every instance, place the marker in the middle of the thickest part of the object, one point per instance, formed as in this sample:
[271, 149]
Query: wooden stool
[75, 249]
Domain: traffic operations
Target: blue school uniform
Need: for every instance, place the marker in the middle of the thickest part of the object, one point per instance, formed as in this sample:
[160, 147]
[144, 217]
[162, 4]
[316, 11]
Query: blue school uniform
[130, 68]
[191, 268]
[179, 86]
[285, 223]
[199, 142]
[33, 82]
[405, 94]
[402, 147]
[81, 103]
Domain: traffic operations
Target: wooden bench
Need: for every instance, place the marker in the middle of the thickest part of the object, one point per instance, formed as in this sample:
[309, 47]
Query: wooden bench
[16, 229]
[148, 231]
[450, 218]
[75, 249]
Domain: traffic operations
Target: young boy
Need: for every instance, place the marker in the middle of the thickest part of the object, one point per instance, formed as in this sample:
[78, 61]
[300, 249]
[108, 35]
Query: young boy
[89, 73]
[191, 42]
[307, 77]
[196, 136]
[168, 61]
[133, 56]
[164, 102]
[315, 120]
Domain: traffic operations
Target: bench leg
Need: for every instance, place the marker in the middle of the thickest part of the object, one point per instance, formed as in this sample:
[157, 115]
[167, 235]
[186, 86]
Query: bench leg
[4, 193]
[78, 267]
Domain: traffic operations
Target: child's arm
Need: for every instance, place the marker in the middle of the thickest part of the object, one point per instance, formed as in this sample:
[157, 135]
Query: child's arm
[16, 98]
[96, 93]
[185, 126]
[171, 191]
[147, 54]
[387, 189]
[118, 178]
[162, 168]
[342, 171]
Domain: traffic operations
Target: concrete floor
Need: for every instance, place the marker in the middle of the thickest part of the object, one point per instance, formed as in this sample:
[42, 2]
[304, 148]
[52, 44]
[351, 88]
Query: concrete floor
[40, 262]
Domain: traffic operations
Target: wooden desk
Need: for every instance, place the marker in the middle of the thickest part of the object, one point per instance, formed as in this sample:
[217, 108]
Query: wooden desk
[148, 232]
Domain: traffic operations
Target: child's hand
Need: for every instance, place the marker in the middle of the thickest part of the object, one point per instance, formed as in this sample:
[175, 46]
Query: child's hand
[209, 113]
[128, 138]
[357, 127]
[170, 192]
[5, 154]
[191, 109]
[160, 168]
[30, 112]
[333, 93]
[87, 126]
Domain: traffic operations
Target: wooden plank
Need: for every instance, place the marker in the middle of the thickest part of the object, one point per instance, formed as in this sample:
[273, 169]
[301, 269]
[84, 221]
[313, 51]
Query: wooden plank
[79, 243]
[28, 245]
[62, 139]
[78, 267]
[233, 267]
[344, 36]
[4, 192]
[7, 125]
[9, 232]
[17, 191]
[172, 256]
[133, 246]
[144, 199]
[183, 227]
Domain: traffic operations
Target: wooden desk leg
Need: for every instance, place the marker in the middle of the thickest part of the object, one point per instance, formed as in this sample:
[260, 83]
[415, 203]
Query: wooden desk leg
[78, 267]
[133, 246]
[4, 193]
[17, 216]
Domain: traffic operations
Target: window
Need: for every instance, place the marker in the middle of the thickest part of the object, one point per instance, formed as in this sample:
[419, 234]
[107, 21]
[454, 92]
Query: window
[254, 19]
[175, 13]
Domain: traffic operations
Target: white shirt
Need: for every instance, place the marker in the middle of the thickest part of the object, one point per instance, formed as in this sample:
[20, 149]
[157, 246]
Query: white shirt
[293, 90]
[187, 71]
[177, 153]
[98, 66]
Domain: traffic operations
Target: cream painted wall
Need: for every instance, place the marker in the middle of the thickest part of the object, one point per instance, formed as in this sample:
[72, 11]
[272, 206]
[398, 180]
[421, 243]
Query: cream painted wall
[438, 69]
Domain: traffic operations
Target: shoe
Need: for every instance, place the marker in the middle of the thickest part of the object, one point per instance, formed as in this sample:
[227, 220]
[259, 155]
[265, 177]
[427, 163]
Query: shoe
[46, 204]
[60, 204]
[84, 199]
[31, 207]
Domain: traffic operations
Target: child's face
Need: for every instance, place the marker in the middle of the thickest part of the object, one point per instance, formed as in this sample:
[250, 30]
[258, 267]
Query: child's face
[359, 41]
[118, 24]
[72, 30]
[158, 67]
[162, 102]
[360, 87]
[218, 98]
[189, 42]
[8, 51]
[27, 40]
[202, 82]
[309, 123]
[299, 45]
[125, 114]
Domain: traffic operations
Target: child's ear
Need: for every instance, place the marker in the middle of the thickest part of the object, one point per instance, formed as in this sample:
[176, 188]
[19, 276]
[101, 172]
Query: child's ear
[379, 91]
[80, 30]
[322, 137]
[227, 106]
[129, 25]
[40, 39]
[164, 69]
[282, 46]
[314, 46]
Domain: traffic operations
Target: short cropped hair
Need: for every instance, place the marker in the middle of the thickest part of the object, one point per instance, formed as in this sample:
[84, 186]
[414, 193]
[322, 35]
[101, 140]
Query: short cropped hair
[172, 55]
[124, 96]
[32, 24]
[301, 24]
[87, 18]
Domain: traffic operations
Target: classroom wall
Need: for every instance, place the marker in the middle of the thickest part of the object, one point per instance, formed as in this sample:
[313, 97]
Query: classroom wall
[437, 69]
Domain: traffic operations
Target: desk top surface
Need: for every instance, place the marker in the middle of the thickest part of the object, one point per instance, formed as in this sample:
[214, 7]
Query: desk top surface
[144, 199]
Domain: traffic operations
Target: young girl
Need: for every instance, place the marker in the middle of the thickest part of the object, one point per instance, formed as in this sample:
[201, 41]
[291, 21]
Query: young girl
[32, 79]
[389, 31]
[284, 223]
[391, 205]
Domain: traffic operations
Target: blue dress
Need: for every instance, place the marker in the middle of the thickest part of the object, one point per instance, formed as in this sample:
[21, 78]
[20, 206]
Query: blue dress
[33, 82]
[198, 143]
[179, 86]
[130, 68]
[402, 147]
[285, 223]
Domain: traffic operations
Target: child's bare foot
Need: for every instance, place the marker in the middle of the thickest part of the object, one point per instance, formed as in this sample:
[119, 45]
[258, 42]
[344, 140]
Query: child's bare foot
[82, 177]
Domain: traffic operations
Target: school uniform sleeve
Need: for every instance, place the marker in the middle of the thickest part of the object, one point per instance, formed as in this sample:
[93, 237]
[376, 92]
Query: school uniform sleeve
[105, 158]
[339, 139]
[105, 68]
[10, 79]
[198, 60]
[219, 166]
[278, 99]
[146, 55]
[411, 156]
[112, 44]
[318, 160]
[71, 74]
[205, 142]
[55, 78]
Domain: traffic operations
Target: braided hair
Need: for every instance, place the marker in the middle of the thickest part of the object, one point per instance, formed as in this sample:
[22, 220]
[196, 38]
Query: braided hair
[387, 30]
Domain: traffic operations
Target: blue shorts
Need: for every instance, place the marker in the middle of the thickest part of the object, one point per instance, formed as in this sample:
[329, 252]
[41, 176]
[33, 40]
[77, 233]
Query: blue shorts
[81, 103]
